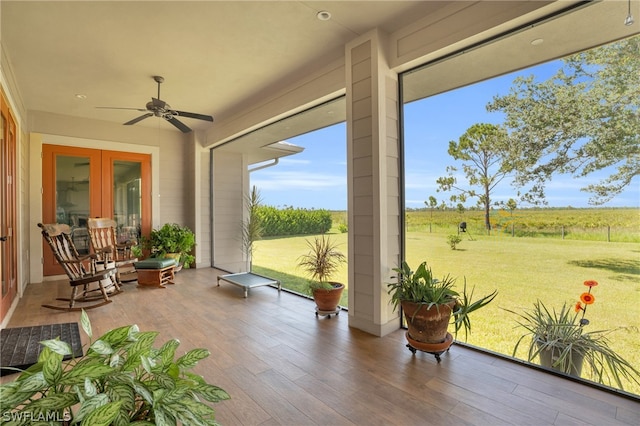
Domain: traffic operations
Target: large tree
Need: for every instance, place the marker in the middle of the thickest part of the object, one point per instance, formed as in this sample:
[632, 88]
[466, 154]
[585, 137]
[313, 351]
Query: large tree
[482, 149]
[583, 119]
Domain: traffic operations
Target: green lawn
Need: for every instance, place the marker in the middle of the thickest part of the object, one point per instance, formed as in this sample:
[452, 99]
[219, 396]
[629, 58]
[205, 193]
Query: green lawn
[522, 269]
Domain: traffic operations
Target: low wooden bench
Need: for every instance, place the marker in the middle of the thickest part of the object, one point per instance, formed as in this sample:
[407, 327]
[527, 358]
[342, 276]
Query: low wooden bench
[155, 272]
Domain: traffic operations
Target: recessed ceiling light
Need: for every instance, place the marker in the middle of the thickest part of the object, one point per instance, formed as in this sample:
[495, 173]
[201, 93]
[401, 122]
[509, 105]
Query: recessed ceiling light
[80, 96]
[323, 15]
[537, 42]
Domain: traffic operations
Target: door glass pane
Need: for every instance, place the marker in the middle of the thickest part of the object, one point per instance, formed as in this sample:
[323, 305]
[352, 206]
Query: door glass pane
[3, 220]
[127, 211]
[72, 197]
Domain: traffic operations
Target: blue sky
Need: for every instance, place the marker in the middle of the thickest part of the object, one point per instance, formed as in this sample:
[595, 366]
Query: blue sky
[316, 178]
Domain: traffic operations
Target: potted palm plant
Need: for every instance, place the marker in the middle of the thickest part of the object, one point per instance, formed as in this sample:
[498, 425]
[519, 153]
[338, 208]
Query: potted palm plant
[430, 305]
[320, 263]
[172, 240]
[559, 340]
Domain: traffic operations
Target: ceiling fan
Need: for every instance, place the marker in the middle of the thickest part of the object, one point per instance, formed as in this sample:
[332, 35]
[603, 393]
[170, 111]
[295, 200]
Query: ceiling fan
[159, 108]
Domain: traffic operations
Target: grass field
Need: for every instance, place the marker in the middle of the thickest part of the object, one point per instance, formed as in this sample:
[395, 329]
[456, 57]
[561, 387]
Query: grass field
[596, 224]
[522, 269]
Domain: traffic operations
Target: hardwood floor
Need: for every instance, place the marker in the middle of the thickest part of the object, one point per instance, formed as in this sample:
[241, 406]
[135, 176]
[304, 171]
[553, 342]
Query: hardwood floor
[283, 366]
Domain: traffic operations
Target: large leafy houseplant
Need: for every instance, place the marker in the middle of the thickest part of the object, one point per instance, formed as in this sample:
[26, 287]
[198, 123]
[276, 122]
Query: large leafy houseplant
[171, 238]
[427, 292]
[559, 340]
[121, 380]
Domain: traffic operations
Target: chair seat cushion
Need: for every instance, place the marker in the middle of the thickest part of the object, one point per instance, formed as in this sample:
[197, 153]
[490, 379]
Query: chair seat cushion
[155, 263]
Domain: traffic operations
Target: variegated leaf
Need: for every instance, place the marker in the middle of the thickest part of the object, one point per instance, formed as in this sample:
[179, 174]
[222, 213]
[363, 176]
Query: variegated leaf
[89, 405]
[34, 382]
[163, 418]
[89, 388]
[168, 351]
[212, 393]
[114, 360]
[102, 416]
[122, 392]
[80, 372]
[52, 368]
[54, 402]
[195, 377]
[117, 336]
[144, 342]
[198, 408]
[147, 363]
[86, 324]
[191, 358]
[141, 390]
[165, 381]
[101, 347]
[58, 346]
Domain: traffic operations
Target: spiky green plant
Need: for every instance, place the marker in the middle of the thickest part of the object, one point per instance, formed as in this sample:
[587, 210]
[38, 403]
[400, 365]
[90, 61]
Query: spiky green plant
[321, 262]
[563, 334]
[252, 226]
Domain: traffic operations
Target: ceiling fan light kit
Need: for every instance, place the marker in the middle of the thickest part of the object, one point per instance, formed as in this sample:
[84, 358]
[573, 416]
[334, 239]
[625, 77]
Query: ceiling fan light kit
[159, 108]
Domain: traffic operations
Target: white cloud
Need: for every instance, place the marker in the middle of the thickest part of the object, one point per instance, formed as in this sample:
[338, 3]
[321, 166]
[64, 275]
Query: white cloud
[299, 180]
[293, 161]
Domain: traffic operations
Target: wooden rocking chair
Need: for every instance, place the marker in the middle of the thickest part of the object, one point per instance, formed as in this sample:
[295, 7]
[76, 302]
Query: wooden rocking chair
[95, 286]
[104, 242]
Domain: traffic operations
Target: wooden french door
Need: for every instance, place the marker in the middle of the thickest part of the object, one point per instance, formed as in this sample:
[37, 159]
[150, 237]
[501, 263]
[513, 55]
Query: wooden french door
[8, 228]
[79, 183]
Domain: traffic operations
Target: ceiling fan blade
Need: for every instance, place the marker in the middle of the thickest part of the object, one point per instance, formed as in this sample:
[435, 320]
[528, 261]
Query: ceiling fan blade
[179, 124]
[158, 103]
[131, 109]
[194, 115]
[142, 117]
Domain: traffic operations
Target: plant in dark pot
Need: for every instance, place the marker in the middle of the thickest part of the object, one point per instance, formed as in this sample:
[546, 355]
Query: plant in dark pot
[320, 263]
[121, 380]
[430, 305]
[560, 340]
[172, 240]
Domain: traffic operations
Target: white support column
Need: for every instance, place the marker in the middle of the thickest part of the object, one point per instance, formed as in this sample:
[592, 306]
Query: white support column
[230, 183]
[373, 183]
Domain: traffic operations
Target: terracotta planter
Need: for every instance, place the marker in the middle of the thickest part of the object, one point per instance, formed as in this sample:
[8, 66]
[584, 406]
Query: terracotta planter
[427, 325]
[327, 300]
[550, 356]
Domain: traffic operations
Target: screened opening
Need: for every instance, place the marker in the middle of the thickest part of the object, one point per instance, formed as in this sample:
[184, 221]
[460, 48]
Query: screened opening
[530, 252]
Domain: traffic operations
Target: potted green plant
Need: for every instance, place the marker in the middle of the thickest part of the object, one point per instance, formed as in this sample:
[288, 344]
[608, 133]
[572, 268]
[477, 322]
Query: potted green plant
[320, 263]
[121, 380]
[559, 340]
[172, 240]
[430, 305]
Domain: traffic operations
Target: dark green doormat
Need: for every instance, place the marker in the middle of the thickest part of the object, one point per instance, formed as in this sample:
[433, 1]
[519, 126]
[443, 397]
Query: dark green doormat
[20, 346]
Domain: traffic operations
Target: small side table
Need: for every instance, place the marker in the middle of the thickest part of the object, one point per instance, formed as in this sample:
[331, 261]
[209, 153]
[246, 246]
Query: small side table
[155, 272]
[247, 280]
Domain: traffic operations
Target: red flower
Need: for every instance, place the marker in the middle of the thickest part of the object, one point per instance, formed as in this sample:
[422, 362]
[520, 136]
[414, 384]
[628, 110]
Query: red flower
[587, 298]
[591, 283]
[578, 307]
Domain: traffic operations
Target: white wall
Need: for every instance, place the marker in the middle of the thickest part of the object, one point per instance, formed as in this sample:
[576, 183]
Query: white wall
[230, 180]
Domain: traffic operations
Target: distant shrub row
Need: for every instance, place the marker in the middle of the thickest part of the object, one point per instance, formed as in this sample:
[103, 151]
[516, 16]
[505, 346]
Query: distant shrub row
[290, 221]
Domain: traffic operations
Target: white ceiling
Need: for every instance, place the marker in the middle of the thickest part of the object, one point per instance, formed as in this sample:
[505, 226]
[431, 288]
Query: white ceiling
[217, 57]
[214, 55]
